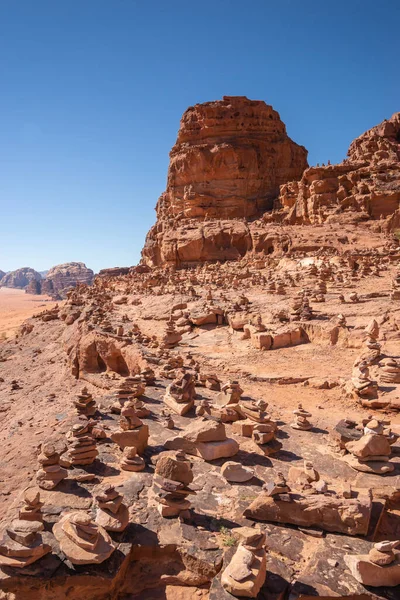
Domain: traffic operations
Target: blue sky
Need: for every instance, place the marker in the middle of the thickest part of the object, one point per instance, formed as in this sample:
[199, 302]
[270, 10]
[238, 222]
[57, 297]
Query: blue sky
[92, 92]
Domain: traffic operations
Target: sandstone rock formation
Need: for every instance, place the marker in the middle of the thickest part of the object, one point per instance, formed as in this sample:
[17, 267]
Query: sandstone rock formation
[366, 185]
[20, 278]
[223, 177]
[228, 162]
[2, 273]
[62, 278]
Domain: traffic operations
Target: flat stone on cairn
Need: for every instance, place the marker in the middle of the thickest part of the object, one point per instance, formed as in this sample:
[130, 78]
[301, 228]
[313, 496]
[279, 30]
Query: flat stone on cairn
[148, 376]
[50, 472]
[84, 404]
[32, 508]
[277, 486]
[246, 573]
[389, 371]
[205, 438]
[371, 453]
[132, 430]
[82, 448]
[112, 513]
[379, 568]
[83, 541]
[131, 461]
[231, 393]
[172, 476]
[22, 544]
[180, 394]
[131, 387]
[172, 336]
[301, 419]
[364, 387]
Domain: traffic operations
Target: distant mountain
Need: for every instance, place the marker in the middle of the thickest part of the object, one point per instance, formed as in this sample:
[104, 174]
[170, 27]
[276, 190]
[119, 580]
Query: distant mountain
[20, 278]
[2, 273]
[60, 279]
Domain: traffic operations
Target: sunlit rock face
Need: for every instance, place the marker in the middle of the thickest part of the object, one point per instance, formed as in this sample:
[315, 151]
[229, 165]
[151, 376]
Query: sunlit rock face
[228, 162]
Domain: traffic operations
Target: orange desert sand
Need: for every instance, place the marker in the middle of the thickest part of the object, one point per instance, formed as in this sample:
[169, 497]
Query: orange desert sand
[16, 306]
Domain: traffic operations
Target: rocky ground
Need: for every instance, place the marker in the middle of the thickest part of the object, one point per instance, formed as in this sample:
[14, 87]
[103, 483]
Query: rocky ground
[224, 417]
[39, 387]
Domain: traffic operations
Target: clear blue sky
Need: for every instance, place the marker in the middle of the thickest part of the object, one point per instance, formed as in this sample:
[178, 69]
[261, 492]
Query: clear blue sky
[92, 92]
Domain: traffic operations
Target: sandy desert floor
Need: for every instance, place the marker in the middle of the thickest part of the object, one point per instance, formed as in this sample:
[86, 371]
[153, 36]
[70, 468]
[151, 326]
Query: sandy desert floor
[16, 306]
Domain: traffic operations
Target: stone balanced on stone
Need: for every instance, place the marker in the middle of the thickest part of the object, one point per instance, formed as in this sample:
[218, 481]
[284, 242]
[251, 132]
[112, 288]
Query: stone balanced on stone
[247, 570]
[173, 474]
[371, 453]
[131, 461]
[180, 394]
[380, 567]
[22, 543]
[83, 541]
[132, 432]
[50, 472]
[131, 387]
[112, 513]
[301, 417]
[84, 403]
[82, 448]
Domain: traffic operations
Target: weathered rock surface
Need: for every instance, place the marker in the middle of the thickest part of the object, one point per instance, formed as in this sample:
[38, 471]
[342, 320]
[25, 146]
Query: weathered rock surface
[332, 514]
[20, 278]
[228, 162]
[62, 278]
[364, 186]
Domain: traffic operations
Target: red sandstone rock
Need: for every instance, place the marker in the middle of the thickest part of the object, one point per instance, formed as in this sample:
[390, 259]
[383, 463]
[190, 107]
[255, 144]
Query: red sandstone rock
[365, 185]
[229, 159]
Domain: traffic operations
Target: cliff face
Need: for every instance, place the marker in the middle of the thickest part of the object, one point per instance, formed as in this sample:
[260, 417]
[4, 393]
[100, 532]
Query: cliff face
[20, 278]
[225, 169]
[2, 273]
[364, 186]
[61, 278]
[228, 162]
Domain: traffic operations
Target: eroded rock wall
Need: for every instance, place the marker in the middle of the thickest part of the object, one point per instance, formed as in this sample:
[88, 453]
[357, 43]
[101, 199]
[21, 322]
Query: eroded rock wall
[226, 167]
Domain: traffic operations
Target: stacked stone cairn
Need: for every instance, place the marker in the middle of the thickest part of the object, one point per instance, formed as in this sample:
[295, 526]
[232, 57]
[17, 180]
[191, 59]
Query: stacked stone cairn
[112, 513]
[82, 448]
[82, 540]
[371, 453]
[131, 461]
[363, 386]
[231, 393]
[395, 295]
[22, 543]
[173, 474]
[180, 394]
[50, 473]
[379, 568]
[389, 372]
[131, 387]
[301, 417]
[132, 432]
[373, 347]
[84, 403]
[246, 573]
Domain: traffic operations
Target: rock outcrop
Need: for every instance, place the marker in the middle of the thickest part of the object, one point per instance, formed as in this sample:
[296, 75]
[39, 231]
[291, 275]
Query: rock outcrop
[366, 185]
[222, 200]
[228, 162]
[2, 273]
[62, 278]
[20, 278]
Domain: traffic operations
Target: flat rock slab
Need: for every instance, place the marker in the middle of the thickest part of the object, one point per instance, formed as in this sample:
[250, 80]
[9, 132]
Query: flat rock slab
[331, 513]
